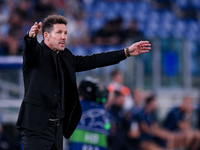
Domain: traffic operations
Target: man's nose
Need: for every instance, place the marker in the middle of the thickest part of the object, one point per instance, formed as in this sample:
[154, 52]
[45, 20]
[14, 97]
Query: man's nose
[64, 36]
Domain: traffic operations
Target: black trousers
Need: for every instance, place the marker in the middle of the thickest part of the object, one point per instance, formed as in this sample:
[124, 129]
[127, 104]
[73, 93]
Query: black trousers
[50, 139]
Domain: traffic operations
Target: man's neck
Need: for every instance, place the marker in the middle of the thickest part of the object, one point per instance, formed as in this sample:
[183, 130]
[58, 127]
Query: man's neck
[57, 51]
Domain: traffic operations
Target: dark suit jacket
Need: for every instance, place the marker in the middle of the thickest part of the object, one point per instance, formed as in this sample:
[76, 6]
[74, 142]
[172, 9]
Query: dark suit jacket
[41, 85]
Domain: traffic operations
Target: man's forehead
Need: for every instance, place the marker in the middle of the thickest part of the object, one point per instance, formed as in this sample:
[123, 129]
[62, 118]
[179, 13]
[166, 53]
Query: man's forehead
[60, 26]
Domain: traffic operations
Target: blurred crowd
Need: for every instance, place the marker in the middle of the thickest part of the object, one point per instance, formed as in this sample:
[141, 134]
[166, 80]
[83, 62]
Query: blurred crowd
[17, 16]
[93, 23]
[134, 119]
[137, 127]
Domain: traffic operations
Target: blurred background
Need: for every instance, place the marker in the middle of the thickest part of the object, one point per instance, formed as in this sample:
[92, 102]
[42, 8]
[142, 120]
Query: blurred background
[171, 70]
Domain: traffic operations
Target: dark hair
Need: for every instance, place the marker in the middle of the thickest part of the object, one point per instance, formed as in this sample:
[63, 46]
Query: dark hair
[115, 72]
[150, 99]
[92, 91]
[88, 90]
[50, 20]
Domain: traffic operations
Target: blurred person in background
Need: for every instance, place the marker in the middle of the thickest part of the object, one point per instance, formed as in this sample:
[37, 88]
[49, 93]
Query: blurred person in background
[82, 37]
[132, 33]
[161, 4]
[24, 9]
[110, 101]
[4, 144]
[110, 34]
[132, 120]
[2, 46]
[185, 10]
[116, 84]
[8, 49]
[43, 8]
[11, 43]
[138, 99]
[178, 120]
[51, 106]
[74, 7]
[117, 138]
[153, 137]
[93, 128]
[15, 24]
[11, 46]
[132, 132]
[4, 16]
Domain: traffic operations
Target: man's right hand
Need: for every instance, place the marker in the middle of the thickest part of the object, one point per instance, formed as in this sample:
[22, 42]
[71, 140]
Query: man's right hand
[35, 29]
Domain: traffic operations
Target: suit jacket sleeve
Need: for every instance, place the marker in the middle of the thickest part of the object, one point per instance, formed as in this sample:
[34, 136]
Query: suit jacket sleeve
[31, 48]
[83, 63]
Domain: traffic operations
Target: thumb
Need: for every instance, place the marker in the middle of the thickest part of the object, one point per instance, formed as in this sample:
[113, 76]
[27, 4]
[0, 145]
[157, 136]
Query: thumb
[39, 25]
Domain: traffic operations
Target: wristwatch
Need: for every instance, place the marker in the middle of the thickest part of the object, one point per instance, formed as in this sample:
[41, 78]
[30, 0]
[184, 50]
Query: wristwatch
[128, 53]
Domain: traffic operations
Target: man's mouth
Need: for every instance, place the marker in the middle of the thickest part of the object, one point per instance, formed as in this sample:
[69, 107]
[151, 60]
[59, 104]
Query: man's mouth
[62, 43]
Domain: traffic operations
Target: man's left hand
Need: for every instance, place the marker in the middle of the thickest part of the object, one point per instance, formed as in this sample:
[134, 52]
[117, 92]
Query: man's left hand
[139, 48]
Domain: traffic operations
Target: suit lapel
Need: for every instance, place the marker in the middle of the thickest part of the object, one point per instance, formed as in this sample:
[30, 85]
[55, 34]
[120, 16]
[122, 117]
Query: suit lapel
[51, 53]
[68, 62]
[68, 66]
[54, 59]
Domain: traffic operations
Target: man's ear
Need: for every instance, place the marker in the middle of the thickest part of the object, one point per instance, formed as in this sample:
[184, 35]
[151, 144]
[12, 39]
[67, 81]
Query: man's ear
[46, 35]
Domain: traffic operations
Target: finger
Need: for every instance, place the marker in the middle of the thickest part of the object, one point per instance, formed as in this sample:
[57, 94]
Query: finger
[32, 33]
[146, 48]
[146, 45]
[39, 25]
[34, 28]
[144, 42]
[35, 24]
[144, 51]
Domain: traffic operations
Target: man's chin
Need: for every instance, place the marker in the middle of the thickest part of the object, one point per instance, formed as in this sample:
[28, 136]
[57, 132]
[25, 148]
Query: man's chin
[61, 49]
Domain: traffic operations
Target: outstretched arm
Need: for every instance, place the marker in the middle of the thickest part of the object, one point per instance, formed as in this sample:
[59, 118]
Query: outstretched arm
[31, 48]
[83, 63]
[137, 48]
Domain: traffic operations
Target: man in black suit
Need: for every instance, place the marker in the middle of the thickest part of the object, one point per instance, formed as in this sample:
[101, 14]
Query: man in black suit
[51, 107]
